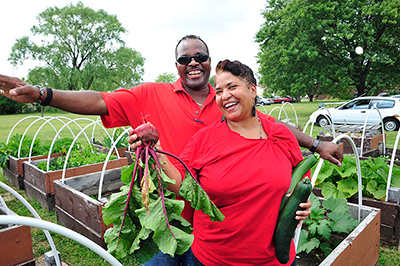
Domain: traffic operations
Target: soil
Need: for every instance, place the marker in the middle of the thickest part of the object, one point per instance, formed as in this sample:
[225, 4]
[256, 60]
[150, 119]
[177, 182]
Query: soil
[316, 256]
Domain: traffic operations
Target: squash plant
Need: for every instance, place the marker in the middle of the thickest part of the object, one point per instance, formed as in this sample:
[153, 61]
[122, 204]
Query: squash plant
[342, 182]
[328, 218]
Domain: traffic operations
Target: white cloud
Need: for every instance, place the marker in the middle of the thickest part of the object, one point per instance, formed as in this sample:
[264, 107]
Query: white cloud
[154, 27]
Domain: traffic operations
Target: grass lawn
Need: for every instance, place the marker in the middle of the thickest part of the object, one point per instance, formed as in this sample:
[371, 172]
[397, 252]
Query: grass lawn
[73, 253]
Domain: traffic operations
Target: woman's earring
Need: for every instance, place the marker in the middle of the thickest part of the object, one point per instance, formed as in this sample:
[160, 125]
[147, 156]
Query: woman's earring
[253, 110]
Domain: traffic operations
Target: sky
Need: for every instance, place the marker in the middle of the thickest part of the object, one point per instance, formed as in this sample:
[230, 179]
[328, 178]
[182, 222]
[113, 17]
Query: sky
[153, 28]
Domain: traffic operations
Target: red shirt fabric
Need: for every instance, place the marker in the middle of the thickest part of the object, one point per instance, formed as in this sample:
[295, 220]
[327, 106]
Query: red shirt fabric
[169, 108]
[246, 179]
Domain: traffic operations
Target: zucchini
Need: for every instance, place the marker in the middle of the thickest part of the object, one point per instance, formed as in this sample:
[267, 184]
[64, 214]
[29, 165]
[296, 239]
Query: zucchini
[286, 224]
[298, 172]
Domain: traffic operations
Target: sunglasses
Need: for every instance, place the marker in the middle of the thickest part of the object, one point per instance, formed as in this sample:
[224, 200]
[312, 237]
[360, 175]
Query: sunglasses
[185, 60]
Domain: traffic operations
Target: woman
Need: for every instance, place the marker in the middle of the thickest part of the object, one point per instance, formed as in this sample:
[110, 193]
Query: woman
[244, 163]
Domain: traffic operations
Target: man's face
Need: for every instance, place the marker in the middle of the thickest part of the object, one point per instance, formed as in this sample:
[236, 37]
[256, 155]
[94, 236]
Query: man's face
[195, 75]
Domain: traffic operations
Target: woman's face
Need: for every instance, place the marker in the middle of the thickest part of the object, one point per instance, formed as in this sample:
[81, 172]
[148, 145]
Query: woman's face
[234, 96]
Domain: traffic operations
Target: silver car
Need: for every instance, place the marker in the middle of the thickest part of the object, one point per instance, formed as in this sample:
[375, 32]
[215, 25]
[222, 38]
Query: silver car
[356, 110]
[264, 101]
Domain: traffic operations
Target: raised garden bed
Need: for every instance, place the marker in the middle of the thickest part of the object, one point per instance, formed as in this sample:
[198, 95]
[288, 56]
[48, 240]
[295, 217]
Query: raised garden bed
[76, 203]
[39, 183]
[390, 217]
[14, 171]
[360, 247]
[15, 244]
[370, 143]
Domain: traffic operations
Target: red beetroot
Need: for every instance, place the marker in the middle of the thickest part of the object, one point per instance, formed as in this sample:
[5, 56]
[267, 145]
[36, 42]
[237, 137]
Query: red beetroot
[147, 133]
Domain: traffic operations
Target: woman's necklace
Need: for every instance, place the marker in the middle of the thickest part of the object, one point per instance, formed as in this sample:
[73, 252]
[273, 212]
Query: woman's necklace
[261, 127]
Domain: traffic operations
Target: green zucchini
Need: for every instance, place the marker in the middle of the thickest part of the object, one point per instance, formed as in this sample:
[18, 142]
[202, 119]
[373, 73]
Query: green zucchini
[298, 172]
[286, 224]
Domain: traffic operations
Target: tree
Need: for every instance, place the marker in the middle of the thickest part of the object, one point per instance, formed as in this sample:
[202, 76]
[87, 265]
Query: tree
[80, 49]
[166, 78]
[308, 47]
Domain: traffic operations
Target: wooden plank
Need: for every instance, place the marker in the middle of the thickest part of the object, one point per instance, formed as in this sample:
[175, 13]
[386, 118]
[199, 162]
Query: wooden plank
[75, 225]
[15, 245]
[81, 207]
[44, 180]
[74, 196]
[46, 200]
[361, 247]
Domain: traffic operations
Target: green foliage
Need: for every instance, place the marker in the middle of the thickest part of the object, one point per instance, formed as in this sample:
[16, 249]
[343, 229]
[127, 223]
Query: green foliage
[15, 144]
[327, 218]
[78, 157]
[166, 78]
[308, 47]
[342, 182]
[142, 231]
[10, 107]
[212, 81]
[145, 231]
[81, 49]
[122, 143]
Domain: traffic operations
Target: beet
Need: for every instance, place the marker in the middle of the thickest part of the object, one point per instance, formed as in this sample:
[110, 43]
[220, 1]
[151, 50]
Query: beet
[147, 133]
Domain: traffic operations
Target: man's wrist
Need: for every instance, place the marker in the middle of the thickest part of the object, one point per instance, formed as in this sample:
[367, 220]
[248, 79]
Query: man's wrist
[45, 95]
[314, 146]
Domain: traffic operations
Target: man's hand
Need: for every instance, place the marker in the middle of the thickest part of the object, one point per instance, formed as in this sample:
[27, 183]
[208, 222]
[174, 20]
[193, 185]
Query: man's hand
[330, 151]
[18, 90]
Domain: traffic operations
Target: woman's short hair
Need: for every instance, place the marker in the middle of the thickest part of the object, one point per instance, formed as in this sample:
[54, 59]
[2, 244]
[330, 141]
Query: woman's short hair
[237, 69]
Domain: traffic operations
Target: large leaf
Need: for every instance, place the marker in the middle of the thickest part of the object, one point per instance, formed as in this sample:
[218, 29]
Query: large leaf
[343, 223]
[348, 186]
[337, 205]
[378, 191]
[193, 192]
[155, 220]
[306, 244]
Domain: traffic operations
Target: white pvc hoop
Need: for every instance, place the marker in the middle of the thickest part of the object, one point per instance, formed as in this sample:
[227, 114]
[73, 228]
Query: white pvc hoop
[26, 130]
[265, 111]
[363, 133]
[106, 162]
[59, 132]
[328, 116]
[396, 143]
[40, 128]
[280, 108]
[36, 215]
[16, 124]
[94, 128]
[294, 110]
[10, 219]
[73, 142]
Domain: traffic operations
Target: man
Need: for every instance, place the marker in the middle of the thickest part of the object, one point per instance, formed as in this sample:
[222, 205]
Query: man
[177, 110]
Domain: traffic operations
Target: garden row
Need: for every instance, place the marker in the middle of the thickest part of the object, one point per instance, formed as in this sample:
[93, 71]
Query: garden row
[77, 194]
[64, 176]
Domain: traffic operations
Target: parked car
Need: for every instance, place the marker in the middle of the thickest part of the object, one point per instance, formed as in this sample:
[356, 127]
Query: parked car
[356, 110]
[279, 99]
[264, 101]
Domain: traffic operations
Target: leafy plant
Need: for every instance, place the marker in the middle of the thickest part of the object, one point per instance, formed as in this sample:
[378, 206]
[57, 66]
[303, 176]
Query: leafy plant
[122, 143]
[330, 217]
[12, 147]
[342, 182]
[78, 157]
[146, 217]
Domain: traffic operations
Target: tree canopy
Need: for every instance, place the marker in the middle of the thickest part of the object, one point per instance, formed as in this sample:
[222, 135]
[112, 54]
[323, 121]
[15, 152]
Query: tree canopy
[308, 47]
[79, 48]
[166, 78]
